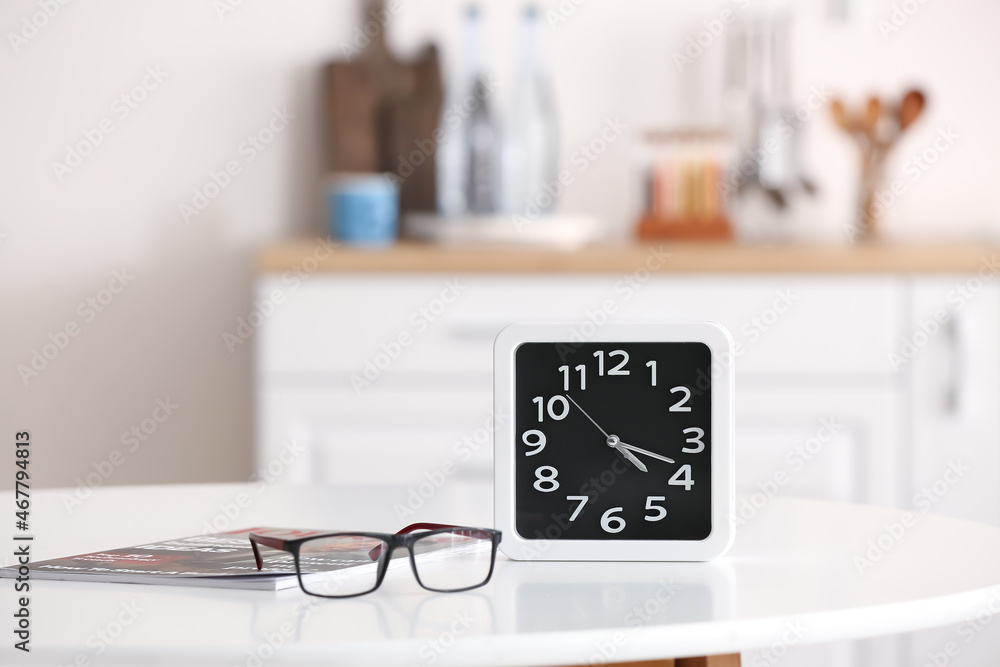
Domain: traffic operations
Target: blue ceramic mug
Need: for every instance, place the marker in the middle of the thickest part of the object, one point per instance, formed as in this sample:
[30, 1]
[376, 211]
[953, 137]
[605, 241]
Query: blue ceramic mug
[363, 209]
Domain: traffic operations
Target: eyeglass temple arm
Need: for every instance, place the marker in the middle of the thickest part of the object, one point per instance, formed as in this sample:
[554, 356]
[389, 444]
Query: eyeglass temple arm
[272, 542]
[377, 551]
[423, 526]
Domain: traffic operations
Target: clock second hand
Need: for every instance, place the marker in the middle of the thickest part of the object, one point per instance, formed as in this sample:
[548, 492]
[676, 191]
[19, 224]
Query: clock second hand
[647, 453]
[612, 440]
[606, 435]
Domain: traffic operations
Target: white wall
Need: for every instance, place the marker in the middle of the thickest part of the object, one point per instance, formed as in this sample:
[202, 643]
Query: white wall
[162, 335]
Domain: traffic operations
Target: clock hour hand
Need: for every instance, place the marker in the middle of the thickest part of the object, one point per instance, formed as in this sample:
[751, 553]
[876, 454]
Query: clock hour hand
[646, 452]
[615, 442]
[606, 435]
[634, 461]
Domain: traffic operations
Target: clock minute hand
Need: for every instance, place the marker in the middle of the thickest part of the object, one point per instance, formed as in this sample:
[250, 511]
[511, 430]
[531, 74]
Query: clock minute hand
[646, 452]
[606, 435]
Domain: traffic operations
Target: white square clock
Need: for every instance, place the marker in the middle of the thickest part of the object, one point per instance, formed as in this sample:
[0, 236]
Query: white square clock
[619, 447]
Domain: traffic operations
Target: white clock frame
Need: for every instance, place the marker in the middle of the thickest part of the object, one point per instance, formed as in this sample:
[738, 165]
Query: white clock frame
[720, 343]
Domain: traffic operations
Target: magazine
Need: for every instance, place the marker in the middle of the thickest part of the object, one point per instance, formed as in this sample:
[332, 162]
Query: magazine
[215, 560]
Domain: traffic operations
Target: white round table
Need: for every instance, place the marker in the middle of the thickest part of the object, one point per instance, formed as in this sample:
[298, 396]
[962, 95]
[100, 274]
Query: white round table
[793, 576]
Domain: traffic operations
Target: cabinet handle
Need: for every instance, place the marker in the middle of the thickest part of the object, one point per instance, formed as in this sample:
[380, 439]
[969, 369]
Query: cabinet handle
[472, 329]
[956, 381]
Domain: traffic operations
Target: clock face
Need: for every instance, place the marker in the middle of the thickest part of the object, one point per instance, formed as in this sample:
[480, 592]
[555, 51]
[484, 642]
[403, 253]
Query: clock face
[589, 417]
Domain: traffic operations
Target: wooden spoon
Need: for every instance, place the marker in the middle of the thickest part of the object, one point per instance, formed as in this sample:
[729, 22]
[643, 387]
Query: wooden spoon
[872, 114]
[840, 116]
[911, 108]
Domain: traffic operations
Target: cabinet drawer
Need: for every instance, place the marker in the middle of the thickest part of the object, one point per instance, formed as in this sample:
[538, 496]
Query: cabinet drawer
[787, 324]
[381, 437]
[438, 324]
[403, 324]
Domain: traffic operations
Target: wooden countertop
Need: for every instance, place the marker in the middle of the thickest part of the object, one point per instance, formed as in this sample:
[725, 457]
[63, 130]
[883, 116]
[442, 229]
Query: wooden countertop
[324, 256]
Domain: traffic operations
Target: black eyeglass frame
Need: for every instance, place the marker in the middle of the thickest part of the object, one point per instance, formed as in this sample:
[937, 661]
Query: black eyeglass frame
[405, 538]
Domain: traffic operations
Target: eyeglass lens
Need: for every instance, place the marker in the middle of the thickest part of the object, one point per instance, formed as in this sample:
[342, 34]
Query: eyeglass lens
[453, 560]
[341, 565]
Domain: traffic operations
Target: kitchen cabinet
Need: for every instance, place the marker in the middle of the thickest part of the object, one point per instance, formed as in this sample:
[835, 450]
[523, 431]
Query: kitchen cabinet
[867, 374]
[953, 375]
[375, 407]
[386, 375]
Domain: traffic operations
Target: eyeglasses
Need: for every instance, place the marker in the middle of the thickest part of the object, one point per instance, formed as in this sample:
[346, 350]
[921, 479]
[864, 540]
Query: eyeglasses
[444, 559]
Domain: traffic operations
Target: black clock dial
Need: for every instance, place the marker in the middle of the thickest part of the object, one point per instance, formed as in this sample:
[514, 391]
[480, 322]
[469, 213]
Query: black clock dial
[589, 417]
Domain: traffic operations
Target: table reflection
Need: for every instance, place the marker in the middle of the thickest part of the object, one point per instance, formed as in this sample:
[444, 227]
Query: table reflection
[552, 596]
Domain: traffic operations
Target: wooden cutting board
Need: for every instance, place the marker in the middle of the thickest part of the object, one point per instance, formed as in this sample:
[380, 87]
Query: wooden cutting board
[380, 115]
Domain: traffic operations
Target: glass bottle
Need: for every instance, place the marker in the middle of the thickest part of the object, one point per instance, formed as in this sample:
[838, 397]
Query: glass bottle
[467, 158]
[530, 142]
